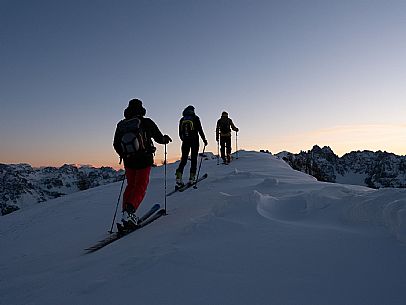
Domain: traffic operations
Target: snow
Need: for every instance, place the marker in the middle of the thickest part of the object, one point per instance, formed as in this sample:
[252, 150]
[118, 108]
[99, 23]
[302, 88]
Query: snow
[352, 178]
[253, 232]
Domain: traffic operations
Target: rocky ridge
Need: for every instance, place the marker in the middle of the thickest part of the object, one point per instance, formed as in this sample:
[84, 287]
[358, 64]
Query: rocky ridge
[22, 185]
[373, 169]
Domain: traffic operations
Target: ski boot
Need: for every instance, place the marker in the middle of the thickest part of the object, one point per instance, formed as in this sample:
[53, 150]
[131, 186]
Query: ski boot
[179, 182]
[129, 219]
[192, 178]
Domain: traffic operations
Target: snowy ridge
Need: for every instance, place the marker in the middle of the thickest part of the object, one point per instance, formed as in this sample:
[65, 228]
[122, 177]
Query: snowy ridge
[254, 232]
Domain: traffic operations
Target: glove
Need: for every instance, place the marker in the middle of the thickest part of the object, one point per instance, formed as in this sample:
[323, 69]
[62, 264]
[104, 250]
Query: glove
[205, 142]
[167, 139]
[236, 130]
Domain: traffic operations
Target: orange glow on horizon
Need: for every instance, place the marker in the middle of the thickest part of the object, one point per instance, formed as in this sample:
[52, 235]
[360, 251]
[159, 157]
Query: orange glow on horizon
[346, 138]
[342, 139]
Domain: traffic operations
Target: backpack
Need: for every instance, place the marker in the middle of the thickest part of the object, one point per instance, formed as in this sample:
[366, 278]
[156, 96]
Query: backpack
[187, 128]
[133, 140]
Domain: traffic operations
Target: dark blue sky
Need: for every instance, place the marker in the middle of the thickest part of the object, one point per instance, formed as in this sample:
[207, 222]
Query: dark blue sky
[290, 73]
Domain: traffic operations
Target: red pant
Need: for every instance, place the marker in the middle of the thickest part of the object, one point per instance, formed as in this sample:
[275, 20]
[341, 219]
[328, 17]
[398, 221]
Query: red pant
[137, 183]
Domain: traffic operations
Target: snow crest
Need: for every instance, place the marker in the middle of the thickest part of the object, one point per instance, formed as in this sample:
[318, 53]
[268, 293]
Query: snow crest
[338, 206]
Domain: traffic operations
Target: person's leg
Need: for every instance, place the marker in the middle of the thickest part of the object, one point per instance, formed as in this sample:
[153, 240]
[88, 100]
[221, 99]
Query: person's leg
[223, 148]
[129, 189]
[141, 181]
[228, 148]
[193, 157]
[185, 153]
[137, 183]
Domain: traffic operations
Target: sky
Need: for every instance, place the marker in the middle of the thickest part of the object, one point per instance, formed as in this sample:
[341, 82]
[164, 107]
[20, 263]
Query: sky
[291, 74]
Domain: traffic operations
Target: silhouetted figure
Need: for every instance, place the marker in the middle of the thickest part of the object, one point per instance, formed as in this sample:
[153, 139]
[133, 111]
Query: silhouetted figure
[223, 134]
[190, 128]
[133, 143]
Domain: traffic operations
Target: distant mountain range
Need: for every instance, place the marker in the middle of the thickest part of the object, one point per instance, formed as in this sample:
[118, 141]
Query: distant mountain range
[373, 169]
[22, 185]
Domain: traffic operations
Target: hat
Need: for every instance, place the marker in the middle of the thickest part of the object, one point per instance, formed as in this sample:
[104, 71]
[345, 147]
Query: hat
[189, 110]
[134, 108]
[135, 103]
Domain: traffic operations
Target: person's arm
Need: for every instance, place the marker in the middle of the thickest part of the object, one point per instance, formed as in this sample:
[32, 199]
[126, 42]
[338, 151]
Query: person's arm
[117, 142]
[233, 126]
[217, 130]
[156, 134]
[180, 129]
[200, 130]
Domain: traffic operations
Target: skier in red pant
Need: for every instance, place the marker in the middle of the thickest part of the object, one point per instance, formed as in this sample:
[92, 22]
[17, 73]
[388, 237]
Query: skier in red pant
[133, 143]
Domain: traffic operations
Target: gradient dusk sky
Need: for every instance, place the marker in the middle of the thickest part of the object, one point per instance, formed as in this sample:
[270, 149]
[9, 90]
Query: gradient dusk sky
[291, 74]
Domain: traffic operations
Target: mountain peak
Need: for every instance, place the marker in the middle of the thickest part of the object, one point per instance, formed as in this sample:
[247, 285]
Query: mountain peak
[372, 169]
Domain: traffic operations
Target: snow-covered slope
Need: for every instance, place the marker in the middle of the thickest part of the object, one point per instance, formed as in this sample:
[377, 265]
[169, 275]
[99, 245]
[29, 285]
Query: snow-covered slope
[254, 232]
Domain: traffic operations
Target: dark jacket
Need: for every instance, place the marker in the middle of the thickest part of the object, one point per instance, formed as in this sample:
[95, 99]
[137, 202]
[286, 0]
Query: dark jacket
[146, 159]
[224, 126]
[197, 130]
[151, 130]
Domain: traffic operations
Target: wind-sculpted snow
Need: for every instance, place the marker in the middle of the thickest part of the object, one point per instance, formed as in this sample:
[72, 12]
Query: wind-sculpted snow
[339, 206]
[254, 232]
[292, 208]
[381, 208]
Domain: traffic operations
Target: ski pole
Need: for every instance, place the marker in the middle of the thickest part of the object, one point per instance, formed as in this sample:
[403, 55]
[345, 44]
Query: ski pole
[118, 201]
[218, 152]
[200, 165]
[165, 177]
[236, 144]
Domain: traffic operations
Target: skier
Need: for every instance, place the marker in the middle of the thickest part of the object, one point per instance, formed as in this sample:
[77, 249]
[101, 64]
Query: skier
[133, 143]
[190, 128]
[223, 134]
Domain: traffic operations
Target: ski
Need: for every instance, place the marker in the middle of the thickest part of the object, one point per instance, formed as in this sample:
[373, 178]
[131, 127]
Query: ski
[153, 214]
[152, 218]
[154, 208]
[186, 186]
